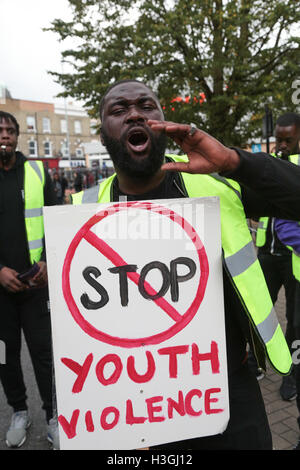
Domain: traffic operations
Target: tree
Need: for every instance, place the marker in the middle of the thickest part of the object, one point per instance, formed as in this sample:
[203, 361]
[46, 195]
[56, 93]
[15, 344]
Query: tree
[240, 54]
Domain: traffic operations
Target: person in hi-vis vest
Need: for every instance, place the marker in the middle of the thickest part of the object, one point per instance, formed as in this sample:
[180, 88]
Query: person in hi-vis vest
[288, 232]
[25, 187]
[275, 258]
[135, 134]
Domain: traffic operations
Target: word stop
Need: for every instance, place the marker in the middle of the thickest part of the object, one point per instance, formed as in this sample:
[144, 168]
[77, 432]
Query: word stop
[170, 279]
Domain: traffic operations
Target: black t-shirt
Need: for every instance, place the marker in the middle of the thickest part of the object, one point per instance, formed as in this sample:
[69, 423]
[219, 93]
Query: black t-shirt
[169, 188]
[236, 323]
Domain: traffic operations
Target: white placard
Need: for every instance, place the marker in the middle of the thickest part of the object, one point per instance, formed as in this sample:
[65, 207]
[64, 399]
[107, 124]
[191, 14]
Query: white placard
[137, 311]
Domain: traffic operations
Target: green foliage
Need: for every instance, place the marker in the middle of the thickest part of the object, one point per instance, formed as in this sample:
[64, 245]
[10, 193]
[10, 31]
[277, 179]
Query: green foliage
[241, 54]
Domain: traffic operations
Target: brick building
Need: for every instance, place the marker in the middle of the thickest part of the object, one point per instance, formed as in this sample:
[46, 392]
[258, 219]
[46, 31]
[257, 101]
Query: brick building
[50, 132]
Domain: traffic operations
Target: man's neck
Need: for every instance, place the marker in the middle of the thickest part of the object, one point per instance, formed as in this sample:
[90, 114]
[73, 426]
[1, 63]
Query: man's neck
[135, 186]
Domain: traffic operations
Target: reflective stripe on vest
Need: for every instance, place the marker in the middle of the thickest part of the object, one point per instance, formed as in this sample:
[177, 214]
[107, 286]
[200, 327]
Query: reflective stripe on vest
[94, 194]
[240, 260]
[34, 179]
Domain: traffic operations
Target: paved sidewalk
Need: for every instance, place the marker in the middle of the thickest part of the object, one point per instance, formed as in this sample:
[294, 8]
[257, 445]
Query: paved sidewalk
[282, 415]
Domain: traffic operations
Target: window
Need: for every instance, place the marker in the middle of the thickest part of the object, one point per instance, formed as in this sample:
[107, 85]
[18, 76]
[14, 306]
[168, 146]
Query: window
[65, 149]
[63, 126]
[48, 149]
[77, 127]
[46, 125]
[79, 152]
[32, 148]
[30, 124]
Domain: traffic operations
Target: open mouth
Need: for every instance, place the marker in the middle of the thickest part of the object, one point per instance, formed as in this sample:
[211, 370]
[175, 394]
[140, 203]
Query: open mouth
[138, 140]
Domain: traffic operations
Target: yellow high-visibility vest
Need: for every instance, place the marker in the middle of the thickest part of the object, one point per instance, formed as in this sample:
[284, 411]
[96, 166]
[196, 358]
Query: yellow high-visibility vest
[34, 179]
[239, 254]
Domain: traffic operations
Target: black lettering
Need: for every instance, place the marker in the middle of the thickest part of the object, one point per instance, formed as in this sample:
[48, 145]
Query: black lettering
[89, 274]
[175, 278]
[165, 275]
[123, 280]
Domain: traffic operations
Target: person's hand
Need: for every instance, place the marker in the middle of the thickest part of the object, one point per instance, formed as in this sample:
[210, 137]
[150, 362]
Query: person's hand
[10, 282]
[41, 277]
[206, 154]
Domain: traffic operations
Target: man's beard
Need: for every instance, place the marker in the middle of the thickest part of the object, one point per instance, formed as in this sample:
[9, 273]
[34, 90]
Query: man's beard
[122, 160]
[5, 156]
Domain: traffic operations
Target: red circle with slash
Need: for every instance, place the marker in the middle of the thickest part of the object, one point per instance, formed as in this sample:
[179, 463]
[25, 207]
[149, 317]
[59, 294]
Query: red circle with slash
[180, 321]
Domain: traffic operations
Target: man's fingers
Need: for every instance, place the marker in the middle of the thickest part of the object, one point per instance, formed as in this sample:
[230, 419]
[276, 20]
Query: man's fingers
[16, 286]
[175, 166]
[201, 167]
[170, 128]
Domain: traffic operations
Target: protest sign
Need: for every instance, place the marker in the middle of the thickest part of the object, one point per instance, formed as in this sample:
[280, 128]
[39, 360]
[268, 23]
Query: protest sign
[136, 300]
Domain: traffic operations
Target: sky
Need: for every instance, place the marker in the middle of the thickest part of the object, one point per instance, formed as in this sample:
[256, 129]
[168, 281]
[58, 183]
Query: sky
[26, 52]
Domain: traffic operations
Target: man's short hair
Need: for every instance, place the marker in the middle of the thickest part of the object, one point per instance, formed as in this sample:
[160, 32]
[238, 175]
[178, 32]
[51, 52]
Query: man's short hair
[4, 116]
[102, 102]
[289, 119]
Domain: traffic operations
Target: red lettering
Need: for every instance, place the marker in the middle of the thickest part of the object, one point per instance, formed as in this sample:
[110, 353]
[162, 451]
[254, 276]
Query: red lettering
[208, 400]
[188, 402]
[212, 356]
[103, 419]
[81, 371]
[69, 427]
[173, 351]
[89, 421]
[178, 406]
[130, 418]
[154, 409]
[100, 369]
[132, 373]
[110, 416]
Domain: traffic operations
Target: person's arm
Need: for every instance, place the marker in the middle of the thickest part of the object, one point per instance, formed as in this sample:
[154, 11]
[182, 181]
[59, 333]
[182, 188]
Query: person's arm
[50, 199]
[288, 232]
[270, 186]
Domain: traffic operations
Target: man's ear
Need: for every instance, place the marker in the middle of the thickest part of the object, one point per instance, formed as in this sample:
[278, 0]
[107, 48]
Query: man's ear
[101, 137]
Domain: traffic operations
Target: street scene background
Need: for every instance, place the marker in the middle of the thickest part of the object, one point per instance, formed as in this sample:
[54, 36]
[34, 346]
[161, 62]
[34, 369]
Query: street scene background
[222, 41]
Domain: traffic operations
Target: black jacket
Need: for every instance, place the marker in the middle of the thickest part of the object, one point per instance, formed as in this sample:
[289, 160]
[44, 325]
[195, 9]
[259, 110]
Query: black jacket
[14, 251]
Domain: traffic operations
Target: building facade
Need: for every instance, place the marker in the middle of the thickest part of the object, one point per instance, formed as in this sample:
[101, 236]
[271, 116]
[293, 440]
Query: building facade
[50, 132]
